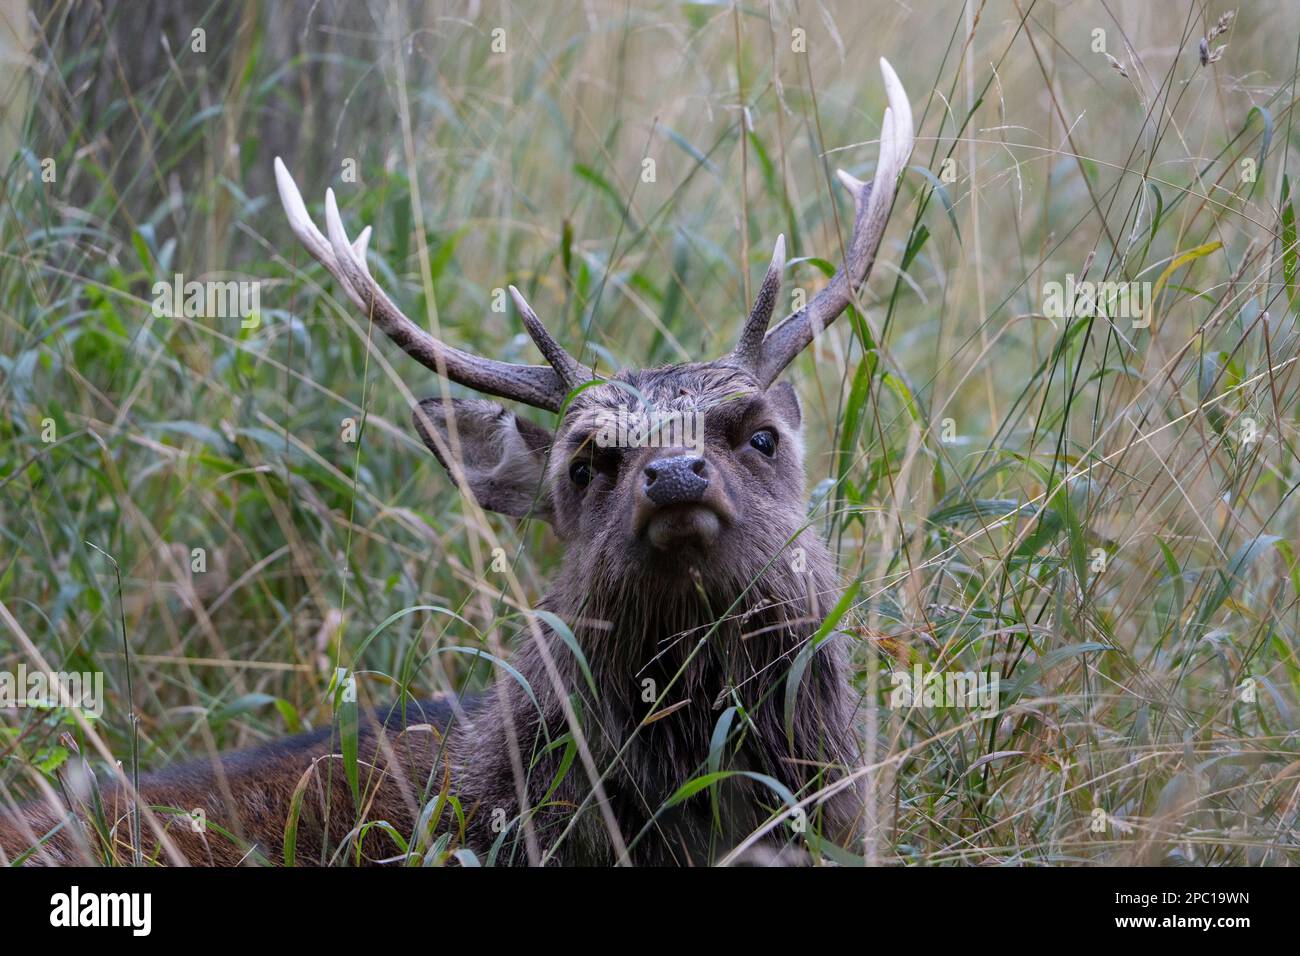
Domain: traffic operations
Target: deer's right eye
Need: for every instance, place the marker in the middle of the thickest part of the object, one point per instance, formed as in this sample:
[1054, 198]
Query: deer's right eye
[765, 441]
[580, 473]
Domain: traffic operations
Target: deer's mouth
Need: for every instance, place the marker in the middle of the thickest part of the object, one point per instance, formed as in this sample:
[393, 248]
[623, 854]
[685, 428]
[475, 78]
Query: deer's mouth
[686, 525]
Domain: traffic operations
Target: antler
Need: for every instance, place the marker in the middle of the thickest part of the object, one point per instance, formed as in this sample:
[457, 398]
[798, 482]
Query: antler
[767, 356]
[541, 386]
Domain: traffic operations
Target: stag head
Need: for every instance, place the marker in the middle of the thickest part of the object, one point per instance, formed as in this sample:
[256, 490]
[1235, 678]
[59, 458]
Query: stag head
[714, 490]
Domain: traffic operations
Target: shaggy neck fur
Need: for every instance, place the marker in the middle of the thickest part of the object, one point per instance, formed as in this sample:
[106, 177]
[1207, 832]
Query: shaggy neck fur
[700, 656]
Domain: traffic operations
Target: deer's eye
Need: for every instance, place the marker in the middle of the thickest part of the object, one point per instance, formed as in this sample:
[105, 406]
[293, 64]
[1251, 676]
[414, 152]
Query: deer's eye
[580, 473]
[765, 441]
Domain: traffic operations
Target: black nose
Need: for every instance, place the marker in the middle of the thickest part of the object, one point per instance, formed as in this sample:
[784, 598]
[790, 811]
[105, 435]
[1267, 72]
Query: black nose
[677, 480]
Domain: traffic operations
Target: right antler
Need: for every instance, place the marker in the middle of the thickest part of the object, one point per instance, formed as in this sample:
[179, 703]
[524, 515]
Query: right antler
[766, 354]
[541, 386]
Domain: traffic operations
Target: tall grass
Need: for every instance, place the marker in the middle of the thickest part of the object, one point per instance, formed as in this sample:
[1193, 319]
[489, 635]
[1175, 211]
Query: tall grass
[1101, 513]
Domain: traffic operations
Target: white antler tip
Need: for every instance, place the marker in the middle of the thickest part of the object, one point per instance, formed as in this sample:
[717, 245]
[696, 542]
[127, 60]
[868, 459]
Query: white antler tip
[851, 182]
[291, 198]
[520, 302]
[898, 119]
[360, 246]
[778, 253]
[334, 229]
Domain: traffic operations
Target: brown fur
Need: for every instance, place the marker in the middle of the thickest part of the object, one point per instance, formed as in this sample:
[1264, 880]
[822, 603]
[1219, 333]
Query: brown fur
[396, 756]
[710, 626]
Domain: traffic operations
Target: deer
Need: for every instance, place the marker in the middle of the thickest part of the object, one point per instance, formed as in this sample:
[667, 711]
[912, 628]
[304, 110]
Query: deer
[675, 575]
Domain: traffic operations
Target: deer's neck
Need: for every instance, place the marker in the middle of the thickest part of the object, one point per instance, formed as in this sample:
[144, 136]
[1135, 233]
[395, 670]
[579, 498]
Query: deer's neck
[665, 669]
[667, 662]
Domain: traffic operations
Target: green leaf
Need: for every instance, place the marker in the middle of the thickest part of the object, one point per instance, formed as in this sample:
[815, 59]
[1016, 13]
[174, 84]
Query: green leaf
[347, 714]
[1045, 663]
[800, 664]
[1246, 555]
[854, 408]
[692, 787]
[1288, 242]
[565, 634]
[443, 254]
[398, 615]
[942, 192]
[1264, 142]
[719, 738]
[690, 149]
[514, 674]
[987, 509]
[1160, 208]
[607, 190]
[1176, 263]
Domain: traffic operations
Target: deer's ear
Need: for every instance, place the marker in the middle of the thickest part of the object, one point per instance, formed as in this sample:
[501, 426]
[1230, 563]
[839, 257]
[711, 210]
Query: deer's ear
[502, 455]
[786, 400]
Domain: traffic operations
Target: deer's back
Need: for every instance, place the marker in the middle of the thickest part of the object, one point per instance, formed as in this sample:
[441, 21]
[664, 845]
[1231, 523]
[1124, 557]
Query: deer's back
[236, 808]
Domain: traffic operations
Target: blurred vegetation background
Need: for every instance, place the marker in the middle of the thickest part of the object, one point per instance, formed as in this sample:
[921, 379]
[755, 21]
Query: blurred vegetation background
[1101, 512]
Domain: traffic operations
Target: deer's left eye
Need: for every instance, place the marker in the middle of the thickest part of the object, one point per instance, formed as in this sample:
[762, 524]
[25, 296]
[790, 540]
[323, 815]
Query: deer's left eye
[765, 441]
[580, 473]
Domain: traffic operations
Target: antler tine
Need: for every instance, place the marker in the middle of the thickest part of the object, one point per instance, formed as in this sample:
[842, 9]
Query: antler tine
[571, 372]
[540, 386]
[872, 203]
[748, 350]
